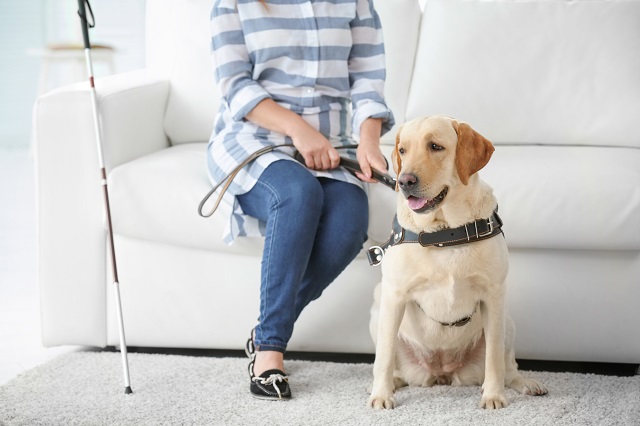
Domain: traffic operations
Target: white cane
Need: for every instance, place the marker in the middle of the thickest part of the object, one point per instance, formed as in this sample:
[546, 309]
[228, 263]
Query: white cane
[96, 122]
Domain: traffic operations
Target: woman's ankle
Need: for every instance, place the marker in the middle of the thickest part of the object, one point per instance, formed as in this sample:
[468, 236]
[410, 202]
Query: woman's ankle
[268, 360]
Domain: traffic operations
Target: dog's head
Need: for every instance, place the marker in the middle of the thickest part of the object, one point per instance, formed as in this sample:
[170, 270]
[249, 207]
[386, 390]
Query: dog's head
[434, 154]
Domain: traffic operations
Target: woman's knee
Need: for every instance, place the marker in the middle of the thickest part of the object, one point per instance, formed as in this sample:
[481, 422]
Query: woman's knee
[293, 186]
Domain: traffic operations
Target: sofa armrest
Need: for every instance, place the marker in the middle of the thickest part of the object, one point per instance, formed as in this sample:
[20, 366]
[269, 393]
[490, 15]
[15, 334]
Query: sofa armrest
[70, 213]
[131, 108]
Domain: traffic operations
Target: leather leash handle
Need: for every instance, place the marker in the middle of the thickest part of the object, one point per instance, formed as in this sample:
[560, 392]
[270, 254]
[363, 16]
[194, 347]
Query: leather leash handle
[229, 178]
[349, 164]
[385, 179]
[353, 166]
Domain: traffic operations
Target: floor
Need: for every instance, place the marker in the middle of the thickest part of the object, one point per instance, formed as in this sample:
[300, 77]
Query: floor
[20, 346]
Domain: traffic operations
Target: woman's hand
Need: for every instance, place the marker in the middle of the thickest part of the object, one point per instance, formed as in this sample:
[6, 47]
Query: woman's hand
[317, 151]
[369, 154]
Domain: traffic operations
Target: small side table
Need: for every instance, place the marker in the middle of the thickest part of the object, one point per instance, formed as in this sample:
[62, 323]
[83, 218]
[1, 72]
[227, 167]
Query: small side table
[74, 54]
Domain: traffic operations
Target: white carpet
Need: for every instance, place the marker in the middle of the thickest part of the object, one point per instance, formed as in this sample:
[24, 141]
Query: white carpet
[85, 388]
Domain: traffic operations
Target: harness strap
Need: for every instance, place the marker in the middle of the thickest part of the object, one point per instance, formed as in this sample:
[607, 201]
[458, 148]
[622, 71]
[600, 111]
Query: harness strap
[479, 230]
[460, 323]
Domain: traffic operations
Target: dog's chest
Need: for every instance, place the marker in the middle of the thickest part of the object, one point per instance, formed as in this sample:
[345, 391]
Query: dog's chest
[411, 266]
[481, 267]
[445, 283]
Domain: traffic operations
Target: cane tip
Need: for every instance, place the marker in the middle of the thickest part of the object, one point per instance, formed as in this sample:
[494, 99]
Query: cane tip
[128, 390]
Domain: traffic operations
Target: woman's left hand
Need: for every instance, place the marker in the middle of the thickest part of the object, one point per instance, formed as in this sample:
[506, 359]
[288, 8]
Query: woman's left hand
[369, 154]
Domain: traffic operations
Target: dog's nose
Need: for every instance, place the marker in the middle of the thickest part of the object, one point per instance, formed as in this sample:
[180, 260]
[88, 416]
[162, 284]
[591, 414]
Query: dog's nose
[407, 180]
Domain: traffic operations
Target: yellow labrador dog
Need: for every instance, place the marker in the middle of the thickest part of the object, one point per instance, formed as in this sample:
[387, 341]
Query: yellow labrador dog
[439, 313]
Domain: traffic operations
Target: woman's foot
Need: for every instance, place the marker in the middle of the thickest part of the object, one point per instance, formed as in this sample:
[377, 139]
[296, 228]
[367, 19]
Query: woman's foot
[267, 359]
[269, 380]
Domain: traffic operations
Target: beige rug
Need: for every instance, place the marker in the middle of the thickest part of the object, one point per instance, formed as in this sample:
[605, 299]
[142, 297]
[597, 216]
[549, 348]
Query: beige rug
[85, 388]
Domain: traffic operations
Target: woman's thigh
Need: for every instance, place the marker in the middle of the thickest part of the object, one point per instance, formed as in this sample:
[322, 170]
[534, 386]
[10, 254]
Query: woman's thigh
[285, 187]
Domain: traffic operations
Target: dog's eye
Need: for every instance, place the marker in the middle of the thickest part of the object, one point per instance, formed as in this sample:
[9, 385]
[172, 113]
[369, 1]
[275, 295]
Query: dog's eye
[435, 147]
[400, 151]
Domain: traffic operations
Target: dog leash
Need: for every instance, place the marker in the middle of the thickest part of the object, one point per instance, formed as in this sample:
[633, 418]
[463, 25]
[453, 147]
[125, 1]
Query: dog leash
[349, 164]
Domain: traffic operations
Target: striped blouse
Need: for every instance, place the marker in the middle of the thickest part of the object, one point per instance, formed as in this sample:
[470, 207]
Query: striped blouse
[323, 59]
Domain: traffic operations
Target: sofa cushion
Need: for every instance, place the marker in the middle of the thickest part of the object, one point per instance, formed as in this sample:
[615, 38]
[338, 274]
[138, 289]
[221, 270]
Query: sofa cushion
[156, 198]
[550, 72]
[567, 197]
[178, 46]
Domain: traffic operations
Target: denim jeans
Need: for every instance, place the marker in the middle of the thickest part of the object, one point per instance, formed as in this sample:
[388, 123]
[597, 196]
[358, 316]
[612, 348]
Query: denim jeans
[314, 228]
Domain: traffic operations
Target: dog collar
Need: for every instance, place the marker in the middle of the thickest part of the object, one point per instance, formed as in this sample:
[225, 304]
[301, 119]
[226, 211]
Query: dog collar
[471, 232]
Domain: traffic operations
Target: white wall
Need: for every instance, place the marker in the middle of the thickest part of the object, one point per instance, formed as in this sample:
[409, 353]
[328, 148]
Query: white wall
[28, 25]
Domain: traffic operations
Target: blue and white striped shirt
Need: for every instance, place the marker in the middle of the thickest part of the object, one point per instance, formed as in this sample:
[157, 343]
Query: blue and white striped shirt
[323, 59]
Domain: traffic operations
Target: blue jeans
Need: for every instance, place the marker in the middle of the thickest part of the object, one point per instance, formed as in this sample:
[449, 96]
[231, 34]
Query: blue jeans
[314, 228]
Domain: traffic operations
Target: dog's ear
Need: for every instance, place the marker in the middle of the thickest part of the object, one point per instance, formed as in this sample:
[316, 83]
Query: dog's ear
[395, 158]
[473, 151]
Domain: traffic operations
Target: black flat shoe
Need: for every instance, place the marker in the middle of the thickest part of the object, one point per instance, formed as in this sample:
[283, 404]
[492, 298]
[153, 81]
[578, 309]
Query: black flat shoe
[272, 385]
[249, 347]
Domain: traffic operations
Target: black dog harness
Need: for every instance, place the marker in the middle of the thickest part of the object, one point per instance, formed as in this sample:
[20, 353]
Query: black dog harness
[471, 232]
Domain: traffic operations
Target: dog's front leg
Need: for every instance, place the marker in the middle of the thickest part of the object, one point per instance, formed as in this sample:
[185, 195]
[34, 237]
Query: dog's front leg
[392, 306]
[493, 395]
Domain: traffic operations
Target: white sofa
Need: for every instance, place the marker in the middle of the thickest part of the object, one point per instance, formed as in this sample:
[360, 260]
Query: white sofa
[554, 84]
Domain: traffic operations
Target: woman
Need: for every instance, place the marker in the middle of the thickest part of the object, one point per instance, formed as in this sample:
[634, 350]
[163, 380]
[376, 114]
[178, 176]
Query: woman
[288, 71]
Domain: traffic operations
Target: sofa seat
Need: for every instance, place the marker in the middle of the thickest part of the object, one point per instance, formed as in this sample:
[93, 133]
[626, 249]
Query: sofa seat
[552, 198]
[156, 197]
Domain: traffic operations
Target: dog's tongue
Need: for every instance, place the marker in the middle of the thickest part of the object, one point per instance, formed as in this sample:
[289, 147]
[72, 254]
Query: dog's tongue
[416, 203]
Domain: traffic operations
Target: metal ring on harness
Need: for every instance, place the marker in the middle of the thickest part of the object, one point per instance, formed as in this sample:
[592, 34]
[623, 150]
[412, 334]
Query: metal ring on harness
[375, 255]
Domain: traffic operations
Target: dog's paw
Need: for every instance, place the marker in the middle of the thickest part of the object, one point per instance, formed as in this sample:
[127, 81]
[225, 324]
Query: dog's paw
[493, 402]
[532, 387]
[382, 402]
